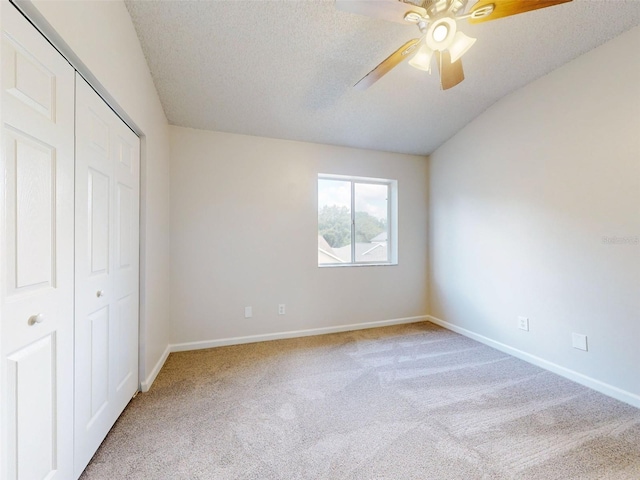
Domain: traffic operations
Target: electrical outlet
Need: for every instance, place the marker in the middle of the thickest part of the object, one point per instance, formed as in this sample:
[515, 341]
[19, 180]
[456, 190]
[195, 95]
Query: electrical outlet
[579, 341]
[523, 323]
[248, 312]
[282, 309]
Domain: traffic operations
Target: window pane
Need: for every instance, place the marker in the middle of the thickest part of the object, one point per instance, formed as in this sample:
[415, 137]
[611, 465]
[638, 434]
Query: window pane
[334, 221]
[371, 222]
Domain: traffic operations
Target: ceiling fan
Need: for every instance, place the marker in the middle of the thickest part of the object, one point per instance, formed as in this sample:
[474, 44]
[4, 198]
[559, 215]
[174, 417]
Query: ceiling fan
[437, 21]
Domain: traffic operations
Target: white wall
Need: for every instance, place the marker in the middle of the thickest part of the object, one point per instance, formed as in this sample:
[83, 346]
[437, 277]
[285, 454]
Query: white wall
[244, 233]
[102, 36]
[520, 201]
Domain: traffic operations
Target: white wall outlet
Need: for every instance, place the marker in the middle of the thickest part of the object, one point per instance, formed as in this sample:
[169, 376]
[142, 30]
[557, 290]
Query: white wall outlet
[248, 312]
[523, 323]
[282, 309]
[579, 341]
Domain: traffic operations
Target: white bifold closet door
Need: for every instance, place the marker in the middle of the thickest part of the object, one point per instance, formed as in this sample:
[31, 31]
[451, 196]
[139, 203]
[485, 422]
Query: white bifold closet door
[36, 255]
[106, 270]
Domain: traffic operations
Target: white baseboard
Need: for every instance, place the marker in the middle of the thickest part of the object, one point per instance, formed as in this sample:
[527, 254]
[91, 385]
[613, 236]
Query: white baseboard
[605, 388]
[146, 384]
[181, 347]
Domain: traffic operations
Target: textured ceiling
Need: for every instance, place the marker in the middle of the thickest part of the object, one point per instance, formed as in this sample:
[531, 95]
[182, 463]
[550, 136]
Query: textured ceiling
[285, 69]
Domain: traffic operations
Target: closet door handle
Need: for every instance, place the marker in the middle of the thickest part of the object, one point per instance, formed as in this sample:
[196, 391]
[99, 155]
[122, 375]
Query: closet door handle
[100, 293]
[38, 318]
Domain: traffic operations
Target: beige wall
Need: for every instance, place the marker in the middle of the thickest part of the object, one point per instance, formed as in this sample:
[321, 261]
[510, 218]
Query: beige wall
[521, 200]
[102, 36]
[244, 233]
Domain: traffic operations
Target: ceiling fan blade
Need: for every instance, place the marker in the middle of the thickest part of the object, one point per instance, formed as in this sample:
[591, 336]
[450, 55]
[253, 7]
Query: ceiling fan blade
[451, 74]
[391, 10]
[387, 64]
[506, 8]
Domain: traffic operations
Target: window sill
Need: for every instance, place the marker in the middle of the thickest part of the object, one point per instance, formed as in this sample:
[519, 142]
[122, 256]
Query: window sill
[342, 265]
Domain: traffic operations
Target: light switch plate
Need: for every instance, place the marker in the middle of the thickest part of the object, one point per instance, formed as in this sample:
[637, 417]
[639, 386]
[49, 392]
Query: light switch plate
[579, 341]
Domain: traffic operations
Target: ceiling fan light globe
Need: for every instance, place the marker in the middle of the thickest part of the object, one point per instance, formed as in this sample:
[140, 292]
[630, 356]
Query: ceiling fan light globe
[461, 43]
[422, 59]
[441, 33]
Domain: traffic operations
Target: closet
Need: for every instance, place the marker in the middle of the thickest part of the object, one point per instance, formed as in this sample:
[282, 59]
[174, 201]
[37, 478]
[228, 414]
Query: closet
[69, 278]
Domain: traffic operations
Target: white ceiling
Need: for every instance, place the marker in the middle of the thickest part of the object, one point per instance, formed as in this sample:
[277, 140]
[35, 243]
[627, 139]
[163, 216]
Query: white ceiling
[285, 69]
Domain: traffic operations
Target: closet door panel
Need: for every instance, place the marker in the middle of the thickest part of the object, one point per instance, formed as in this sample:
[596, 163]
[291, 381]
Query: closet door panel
[98, 195]
[93, 323]
[106, 328]
[36, 254]
[32, 374]
[126, 259]
[98, 325]
[126, 343]
[31, 174]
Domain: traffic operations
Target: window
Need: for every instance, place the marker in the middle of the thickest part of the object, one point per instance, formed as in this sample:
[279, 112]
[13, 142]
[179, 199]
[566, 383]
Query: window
[356, 221]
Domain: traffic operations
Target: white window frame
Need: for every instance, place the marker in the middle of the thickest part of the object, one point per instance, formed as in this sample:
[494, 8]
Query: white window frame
[392, 219]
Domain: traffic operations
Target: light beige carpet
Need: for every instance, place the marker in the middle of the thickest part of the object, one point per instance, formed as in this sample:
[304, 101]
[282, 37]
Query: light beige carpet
[407, 402]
